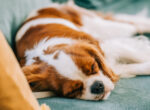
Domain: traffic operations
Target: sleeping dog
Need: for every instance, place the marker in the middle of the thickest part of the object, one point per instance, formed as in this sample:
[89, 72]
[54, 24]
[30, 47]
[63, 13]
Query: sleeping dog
[79, 53]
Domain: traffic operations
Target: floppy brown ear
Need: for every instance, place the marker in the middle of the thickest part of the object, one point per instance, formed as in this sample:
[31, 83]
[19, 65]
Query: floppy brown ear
[102, 64]
[37, 76]
[33, 72]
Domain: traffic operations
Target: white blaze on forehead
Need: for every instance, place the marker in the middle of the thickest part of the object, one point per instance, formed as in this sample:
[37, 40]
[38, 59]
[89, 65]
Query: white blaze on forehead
[37, 50]
[64, 65]
[41, 21]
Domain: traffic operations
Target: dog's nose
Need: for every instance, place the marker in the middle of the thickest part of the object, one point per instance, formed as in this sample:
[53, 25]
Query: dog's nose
[97, 87]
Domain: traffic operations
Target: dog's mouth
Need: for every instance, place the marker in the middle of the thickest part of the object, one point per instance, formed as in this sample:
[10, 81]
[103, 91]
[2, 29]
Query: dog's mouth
[103, 96]
[99, 97]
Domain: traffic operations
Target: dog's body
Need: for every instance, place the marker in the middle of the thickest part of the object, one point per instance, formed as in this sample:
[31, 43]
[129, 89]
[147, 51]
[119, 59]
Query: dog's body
[59, 48]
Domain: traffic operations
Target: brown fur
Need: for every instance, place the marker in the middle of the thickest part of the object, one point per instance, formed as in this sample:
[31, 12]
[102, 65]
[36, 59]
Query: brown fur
[44, 77]
[37, 33]
[67, 14]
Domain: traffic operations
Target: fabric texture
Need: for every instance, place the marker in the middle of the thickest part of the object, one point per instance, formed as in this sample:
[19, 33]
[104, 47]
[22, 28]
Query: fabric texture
[129, 94]
[14, 12]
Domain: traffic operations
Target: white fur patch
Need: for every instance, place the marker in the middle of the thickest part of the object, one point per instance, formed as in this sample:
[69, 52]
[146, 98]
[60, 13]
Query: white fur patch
[64, 65]
[39, 21]
[141, 23]
[127, 55]
[102, 29]
[43, 45]
[43, 94]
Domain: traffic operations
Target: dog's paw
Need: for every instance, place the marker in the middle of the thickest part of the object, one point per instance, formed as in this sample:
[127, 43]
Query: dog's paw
[127, 76]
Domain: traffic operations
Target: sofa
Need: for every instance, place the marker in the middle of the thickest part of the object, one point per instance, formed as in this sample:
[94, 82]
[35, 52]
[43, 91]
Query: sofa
[129, 94]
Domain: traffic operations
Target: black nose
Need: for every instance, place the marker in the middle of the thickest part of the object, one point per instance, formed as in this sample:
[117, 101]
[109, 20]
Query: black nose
[97, 87]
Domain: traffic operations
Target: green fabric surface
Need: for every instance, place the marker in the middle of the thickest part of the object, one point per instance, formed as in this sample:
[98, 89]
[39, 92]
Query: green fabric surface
[129, 94]
[14, 12]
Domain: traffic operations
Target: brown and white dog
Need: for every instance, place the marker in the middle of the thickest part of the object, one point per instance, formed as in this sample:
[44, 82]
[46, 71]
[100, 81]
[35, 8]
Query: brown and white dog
[59, 49]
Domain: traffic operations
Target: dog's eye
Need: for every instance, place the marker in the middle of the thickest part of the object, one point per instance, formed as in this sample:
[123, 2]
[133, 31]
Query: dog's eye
[94, 68]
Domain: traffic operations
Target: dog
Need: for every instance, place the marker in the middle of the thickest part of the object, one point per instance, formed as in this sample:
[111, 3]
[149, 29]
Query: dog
[78, 53]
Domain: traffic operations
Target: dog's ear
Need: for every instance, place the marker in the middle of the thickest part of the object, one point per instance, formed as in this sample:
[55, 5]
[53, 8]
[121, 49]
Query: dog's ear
[43, 77]
[37, 75]
[102, 64]
[34, 72]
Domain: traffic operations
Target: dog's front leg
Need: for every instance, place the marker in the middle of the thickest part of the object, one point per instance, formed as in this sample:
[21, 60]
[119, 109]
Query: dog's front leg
[142, 23]
[132, 70]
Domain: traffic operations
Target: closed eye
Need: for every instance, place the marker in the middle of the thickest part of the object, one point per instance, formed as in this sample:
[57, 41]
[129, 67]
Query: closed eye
[94, 68]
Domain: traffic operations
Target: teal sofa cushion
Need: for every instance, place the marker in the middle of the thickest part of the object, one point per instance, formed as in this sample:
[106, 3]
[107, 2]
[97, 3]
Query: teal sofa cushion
[129, 94]
[14, 12]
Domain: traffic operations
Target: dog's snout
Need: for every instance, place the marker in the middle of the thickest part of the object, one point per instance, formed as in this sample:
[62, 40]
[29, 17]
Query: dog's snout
[97, 87]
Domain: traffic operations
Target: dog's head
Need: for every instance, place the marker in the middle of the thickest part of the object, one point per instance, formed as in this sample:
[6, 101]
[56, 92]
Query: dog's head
[74, 71]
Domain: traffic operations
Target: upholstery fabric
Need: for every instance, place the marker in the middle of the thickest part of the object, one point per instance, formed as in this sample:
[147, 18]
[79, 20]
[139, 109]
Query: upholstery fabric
[14, 12]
